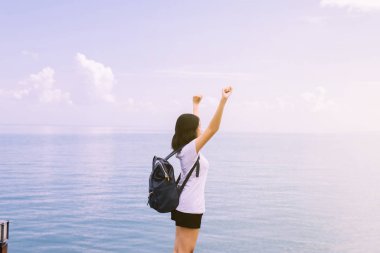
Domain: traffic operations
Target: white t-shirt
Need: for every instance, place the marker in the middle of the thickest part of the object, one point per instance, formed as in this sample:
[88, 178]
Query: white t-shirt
[192, 199]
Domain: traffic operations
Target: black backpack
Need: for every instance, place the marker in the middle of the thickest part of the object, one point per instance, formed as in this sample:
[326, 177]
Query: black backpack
[163, 189]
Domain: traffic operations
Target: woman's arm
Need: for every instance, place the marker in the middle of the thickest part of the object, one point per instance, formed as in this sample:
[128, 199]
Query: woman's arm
[196, 101]
[214, 125]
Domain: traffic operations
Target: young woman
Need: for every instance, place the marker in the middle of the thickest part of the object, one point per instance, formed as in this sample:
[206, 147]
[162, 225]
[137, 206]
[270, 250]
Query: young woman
[188, 214]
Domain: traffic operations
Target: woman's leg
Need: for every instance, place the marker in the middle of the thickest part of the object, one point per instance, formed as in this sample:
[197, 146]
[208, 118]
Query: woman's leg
[185, 239]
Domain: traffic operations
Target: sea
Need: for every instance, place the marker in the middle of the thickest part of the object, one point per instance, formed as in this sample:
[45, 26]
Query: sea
[265, 192]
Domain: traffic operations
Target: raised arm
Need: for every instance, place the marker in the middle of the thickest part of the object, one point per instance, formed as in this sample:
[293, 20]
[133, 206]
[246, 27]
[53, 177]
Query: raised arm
[213, 127]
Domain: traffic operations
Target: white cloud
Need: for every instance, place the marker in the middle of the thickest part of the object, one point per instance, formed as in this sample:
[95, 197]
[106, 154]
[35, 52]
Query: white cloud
[100, 76]
[19, 94]
[363, 5]
[43, 83]
[40, 85]
[33, 55]
[16, 94]
[318, 100]
[43, 79]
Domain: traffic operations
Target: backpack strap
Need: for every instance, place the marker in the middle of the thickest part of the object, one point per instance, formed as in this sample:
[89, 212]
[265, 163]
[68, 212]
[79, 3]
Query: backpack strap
[174, 152]
[196, 164]
[197, 171]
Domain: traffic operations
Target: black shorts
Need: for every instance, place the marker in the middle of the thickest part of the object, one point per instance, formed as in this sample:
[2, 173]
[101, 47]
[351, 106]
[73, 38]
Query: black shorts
[187, 220]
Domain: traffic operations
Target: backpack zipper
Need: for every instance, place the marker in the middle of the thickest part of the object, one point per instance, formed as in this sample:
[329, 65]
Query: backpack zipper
[166, 174]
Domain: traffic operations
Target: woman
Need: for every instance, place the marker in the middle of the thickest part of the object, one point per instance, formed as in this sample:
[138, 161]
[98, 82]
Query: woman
[188, 214]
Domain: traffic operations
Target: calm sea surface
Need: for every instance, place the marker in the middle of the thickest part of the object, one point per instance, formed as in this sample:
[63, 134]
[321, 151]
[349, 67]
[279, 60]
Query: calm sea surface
[265, 193]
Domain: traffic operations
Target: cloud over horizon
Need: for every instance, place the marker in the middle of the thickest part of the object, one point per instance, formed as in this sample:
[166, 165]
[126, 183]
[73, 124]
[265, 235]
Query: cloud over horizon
[42, 86]
[43, 82]
[100, 76]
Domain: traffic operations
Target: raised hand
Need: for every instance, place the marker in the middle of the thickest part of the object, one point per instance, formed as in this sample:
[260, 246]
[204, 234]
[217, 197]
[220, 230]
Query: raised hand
[226, 92]
[197, 99]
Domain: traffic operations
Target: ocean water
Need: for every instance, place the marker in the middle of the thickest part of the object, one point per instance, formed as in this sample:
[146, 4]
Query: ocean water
[265, 193]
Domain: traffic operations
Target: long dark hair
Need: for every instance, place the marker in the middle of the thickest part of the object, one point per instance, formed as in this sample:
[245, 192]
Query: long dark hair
[185, 130]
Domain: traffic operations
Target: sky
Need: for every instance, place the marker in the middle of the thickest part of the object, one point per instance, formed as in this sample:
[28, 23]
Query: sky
[296, 66]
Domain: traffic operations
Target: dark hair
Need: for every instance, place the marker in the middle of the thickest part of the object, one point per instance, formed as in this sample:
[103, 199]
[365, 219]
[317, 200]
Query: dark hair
[185, 130]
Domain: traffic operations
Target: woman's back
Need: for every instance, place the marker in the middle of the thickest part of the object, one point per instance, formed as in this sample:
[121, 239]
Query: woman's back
[192, 199]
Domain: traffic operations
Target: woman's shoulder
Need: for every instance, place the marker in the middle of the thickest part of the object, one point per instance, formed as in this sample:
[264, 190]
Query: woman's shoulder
[188, 150]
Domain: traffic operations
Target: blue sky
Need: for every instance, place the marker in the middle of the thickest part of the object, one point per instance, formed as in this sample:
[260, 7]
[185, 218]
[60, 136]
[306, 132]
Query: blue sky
[296, 66]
